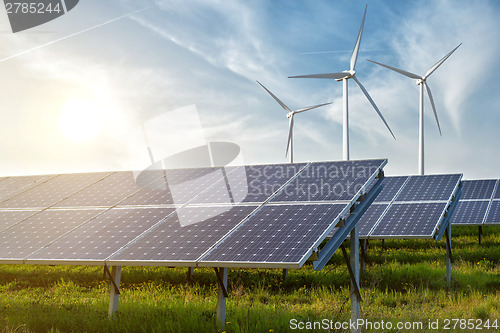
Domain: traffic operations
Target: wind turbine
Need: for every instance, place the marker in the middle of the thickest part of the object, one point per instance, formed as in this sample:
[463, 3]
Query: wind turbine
[344, 76]
[290, 115]
[422, 81]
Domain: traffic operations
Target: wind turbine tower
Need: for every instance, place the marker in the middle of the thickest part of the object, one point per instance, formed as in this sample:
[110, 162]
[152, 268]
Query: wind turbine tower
[422, 81]
[290, 115]
[344, 76]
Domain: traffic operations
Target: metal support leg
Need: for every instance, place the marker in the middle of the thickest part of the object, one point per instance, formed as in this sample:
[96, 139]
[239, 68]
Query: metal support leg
[190, 274]
[114, 293]
[480, 233]
[449, 257]
[221, 296]
[285, 274]
[354, 261]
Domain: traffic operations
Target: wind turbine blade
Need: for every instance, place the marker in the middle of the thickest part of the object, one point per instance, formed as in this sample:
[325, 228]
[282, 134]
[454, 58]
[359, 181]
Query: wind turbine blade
[373, 104]
[355, 52]
[433, 106]
[310, 108]
[433, 68]
[335, 76]
[276, 98]
[290, 133]
[400, 71]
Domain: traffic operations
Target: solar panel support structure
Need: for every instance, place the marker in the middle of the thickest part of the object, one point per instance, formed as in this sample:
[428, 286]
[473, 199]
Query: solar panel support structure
[354, 291]
[449, 258]
[190, 274]
[221, 296]
[334, 243]
[363, 243]
[479, 234]
[115, 276]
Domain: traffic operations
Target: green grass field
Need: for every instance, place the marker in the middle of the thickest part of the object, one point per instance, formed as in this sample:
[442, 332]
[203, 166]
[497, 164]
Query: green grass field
[404, 282]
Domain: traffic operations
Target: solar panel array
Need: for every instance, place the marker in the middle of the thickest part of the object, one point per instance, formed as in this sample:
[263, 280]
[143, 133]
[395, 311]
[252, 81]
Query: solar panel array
[249, 216]
[479, 204]
[409, 207]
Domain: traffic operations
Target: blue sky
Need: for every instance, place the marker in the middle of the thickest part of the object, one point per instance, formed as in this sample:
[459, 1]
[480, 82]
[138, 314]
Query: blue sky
[210, 53]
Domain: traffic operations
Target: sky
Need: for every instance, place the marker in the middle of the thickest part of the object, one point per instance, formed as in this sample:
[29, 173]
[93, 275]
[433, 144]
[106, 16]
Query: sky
[76, 89]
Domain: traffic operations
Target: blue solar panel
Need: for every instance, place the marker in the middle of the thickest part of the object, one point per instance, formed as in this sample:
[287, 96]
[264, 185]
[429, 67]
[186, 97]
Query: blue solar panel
[277, 234]
[26, 237]
[478, 189]
[99, 238]
[253, 183]
[370, 218]
[410, 220]
[429, 188]
[497, 193]
[179, 186]
[53, 190]
[494, 213]
[469, 212]
[390, 187]
[329, 181]
[186, 235]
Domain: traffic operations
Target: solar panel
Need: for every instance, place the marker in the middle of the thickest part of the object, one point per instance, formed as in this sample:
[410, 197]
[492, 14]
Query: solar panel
[107, 191]
[494, 213]
[11, 186]
[478, 189]
[132, 224]
[410, 220]
[470, 212]
[370, 218]
[177, 186]
[26, 237]
[390, 187]
[429, 188]
[185, 236]
[497, 193]
[97, 239]
[329, 181]
[277, 234]
[250, 184]
[52, 191]
[10, 217]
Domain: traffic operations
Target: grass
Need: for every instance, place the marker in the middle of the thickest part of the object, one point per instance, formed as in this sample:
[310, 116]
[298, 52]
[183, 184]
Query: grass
[404, 282]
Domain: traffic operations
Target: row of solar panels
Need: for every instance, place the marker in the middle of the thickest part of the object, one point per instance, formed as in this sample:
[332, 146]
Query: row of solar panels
[479, 204]
[251, 216]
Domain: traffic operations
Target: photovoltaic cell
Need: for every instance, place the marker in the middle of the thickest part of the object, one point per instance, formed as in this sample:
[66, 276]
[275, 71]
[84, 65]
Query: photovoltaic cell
[470, 212]
[11, 186]
[390, 187]
[494, 213]
[497, 193]
[186, 235]
[53, 190]
[99, 238]
[277, 234]
[410, 220]
[429, 188]
[370, 218]
[32, 234]
[10, 217]
[478, 189]
[329, 181]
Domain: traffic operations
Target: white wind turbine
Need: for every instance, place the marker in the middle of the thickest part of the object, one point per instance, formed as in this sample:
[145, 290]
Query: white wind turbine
[344, 76]
[290, 115]
[422, 81]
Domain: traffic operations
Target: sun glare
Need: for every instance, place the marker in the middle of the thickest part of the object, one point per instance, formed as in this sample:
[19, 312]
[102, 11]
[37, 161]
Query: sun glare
[80, 119]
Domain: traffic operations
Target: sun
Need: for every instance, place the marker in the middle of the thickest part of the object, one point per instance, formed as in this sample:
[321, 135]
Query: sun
[81, 119]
